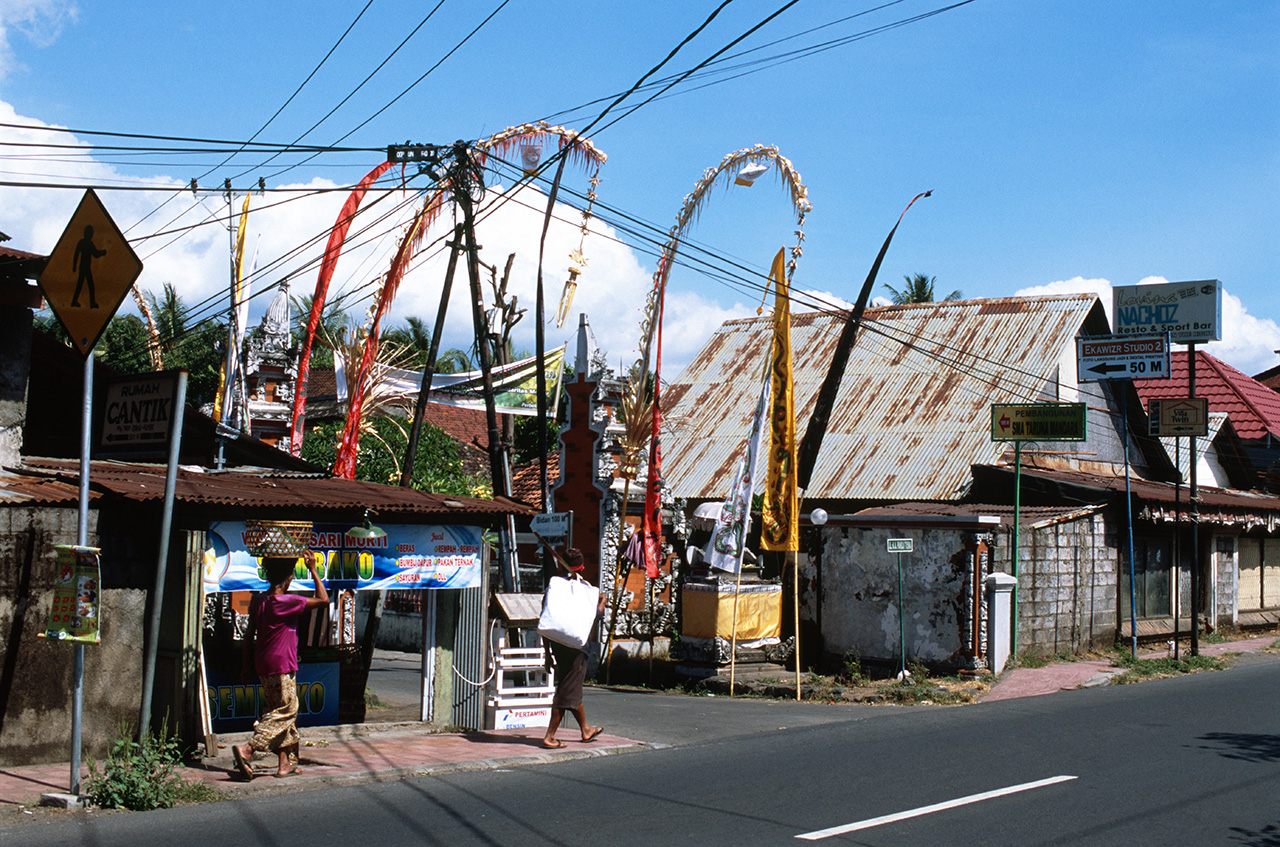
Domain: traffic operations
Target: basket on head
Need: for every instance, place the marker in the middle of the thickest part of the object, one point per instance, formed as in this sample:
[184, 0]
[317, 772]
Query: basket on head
[277, 538]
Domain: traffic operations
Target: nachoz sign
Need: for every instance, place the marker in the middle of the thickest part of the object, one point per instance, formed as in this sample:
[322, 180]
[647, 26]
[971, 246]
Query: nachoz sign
[1191, 312]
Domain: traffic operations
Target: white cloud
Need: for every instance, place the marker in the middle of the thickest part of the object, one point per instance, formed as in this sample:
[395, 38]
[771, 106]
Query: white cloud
[41, 21]
[1248, 342]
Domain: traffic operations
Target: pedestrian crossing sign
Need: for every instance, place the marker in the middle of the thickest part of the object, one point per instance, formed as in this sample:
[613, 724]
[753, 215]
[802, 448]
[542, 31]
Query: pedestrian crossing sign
[89, 272]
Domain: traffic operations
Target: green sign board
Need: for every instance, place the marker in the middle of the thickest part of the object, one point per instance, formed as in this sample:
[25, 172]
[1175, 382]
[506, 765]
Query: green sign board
[1038, 421]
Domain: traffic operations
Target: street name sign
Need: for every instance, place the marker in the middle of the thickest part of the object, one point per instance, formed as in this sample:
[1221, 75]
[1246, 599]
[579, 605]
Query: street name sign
[91, 269]
[1122, 357]
[1190, 312]
[1038, 422]
[900, 545]
[1178, 416]
[139, 412]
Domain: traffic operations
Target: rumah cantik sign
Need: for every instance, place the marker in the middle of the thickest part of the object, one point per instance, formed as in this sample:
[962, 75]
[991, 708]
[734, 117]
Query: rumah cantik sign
[1191, 312]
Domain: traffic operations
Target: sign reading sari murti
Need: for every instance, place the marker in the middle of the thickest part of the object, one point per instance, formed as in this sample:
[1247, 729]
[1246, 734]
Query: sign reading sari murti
[76, 602]
[409, 556]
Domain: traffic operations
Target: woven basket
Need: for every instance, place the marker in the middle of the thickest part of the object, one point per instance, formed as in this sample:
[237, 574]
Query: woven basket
[277, 538]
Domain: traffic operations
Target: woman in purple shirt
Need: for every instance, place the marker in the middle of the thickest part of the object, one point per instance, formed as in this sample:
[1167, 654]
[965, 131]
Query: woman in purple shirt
[273, 634]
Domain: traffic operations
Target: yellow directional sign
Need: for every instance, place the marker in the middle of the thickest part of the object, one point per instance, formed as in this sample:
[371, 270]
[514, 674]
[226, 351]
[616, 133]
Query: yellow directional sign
[89, 272]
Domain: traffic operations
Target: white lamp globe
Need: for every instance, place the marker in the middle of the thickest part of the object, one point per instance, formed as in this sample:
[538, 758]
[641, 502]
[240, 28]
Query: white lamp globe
[818, 517]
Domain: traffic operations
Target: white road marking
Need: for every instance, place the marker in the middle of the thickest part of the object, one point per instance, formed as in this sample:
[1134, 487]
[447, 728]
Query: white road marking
[936, 807]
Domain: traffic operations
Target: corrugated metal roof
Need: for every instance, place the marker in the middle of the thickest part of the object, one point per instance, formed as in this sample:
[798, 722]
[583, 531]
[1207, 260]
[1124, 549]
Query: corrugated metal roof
[1165, 493]
[913, 411]
[22, 490]
[259, 488]
[899, 512]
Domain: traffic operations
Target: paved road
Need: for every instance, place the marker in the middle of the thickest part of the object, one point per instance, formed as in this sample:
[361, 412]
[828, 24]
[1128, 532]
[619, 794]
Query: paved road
[1190, 761]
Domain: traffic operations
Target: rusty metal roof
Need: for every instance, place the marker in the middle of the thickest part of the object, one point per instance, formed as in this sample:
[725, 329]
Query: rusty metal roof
[913, 411]
[258, 488]
[902, 514]
[22, 490]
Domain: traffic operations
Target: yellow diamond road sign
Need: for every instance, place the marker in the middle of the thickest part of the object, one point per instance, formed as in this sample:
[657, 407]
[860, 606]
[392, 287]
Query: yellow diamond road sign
[88, 273]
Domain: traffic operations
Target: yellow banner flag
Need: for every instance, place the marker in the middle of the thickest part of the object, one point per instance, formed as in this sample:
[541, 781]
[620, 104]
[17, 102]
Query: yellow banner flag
[780, 522]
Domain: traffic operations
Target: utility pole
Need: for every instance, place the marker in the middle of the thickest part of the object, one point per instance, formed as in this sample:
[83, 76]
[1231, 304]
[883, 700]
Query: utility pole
[465, 179]
[231, 359]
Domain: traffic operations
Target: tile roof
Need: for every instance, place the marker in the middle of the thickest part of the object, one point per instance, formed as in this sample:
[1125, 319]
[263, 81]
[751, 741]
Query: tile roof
[526, 483]
[913, 410]
[1253, 408]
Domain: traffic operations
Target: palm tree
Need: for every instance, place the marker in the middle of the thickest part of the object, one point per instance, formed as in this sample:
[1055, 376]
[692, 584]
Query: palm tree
[415, 338]
[919, 289]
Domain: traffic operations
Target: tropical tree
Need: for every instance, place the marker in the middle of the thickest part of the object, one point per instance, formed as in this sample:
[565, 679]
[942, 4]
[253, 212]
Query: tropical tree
[919, 289]
[333, 322]
[199, 348]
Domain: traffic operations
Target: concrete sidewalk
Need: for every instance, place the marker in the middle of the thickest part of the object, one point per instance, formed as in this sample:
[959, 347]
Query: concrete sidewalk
[1085, 673]
[347, 754]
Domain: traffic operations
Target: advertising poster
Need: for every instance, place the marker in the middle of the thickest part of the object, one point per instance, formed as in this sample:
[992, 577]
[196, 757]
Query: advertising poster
[234, 706]
[74, 616]
[409, 556]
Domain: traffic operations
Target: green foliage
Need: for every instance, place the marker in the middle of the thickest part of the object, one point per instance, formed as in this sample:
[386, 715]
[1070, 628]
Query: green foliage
[52, 326]
[919, 289]
[852, 673]
[1137, 670]
[437, 466]
[142, 775]
[123, 345]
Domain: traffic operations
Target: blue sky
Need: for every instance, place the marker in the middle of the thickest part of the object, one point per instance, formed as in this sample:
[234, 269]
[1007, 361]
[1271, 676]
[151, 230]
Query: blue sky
[1069, 145]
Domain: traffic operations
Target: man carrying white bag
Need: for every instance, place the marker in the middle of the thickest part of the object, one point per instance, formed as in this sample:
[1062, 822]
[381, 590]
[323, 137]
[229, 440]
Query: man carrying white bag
[571, 610]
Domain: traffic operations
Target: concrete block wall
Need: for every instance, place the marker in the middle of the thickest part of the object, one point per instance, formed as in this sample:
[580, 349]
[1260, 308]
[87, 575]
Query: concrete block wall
[36, 674]
[860, 595]
[1067, 585]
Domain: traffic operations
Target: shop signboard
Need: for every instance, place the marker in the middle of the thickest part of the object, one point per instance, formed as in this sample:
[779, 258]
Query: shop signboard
[234, 706]
[408, 556]
[1190, 312]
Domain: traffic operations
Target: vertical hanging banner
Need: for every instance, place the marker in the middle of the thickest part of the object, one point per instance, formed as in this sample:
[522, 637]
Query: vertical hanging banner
[729, 538]
[408, 556]
[76, 602]
[780, 522]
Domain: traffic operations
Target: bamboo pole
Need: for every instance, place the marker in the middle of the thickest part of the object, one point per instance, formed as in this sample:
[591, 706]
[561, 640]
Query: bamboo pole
[794, 556]
[617, 589]
[733, 636]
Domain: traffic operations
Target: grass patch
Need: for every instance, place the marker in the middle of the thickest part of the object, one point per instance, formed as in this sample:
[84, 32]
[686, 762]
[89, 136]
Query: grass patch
[143, 775]
[1137, 670]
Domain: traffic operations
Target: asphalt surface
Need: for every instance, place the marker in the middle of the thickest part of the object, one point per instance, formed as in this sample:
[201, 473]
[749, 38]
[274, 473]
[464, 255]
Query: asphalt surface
[755, 769]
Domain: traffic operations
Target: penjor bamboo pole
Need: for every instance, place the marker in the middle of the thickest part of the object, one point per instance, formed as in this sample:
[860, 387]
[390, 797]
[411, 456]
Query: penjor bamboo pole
[617, 589]
[794, 556]
[733, 637]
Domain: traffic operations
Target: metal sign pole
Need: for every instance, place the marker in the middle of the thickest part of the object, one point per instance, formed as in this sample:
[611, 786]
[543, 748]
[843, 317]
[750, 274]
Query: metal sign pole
[902, 628]
[1128, 502]
[82, 540]
[162, 555]
[1017, 526]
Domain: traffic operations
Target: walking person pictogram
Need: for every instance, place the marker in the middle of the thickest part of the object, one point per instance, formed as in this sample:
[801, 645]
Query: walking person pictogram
[82, 259]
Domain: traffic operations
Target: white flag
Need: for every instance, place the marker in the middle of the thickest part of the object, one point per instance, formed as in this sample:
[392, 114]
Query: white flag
[729, 538]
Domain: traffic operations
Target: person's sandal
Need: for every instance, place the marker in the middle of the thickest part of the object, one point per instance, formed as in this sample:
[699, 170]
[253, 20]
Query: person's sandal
[242, 767]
